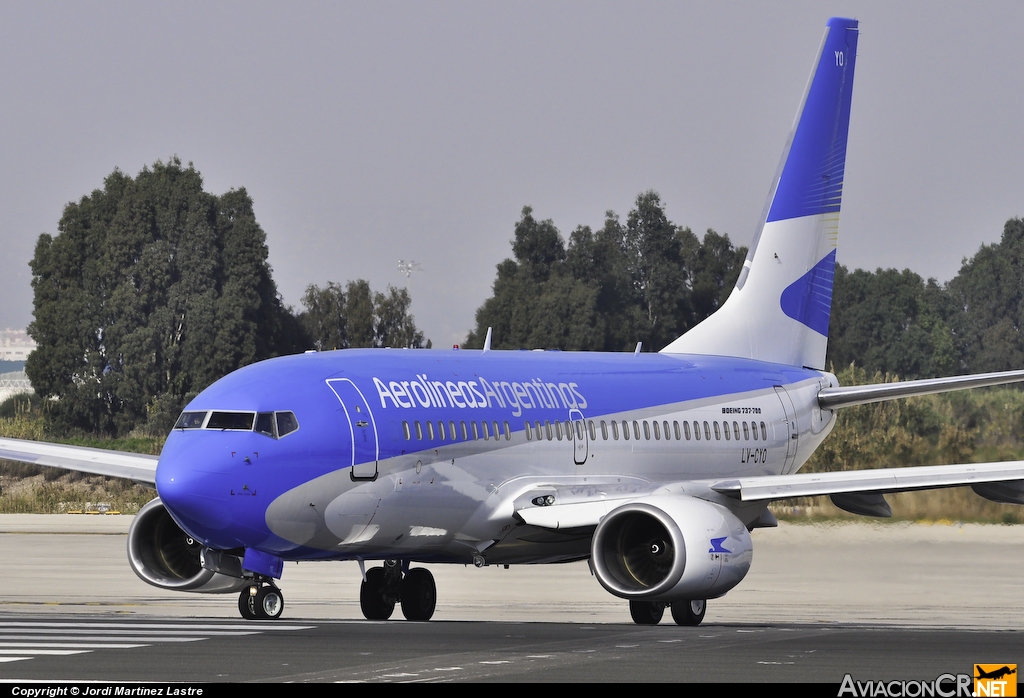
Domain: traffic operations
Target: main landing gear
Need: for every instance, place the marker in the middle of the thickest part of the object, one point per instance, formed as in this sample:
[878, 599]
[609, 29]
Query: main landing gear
[396, 583]
[689, 612]
[261, 601]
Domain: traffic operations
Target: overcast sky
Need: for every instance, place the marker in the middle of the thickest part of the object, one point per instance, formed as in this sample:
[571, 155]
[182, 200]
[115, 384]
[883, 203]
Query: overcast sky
[372, 132]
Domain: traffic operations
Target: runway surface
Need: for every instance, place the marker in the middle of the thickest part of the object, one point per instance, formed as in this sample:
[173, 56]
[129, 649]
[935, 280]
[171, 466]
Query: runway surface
[877, 601]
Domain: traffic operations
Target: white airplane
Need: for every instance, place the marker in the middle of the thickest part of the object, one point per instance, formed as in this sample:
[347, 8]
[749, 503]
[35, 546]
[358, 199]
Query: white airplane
[655, 467]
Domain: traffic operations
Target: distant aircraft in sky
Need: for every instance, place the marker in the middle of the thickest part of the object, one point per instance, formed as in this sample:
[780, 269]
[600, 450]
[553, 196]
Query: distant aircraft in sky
[655, 467]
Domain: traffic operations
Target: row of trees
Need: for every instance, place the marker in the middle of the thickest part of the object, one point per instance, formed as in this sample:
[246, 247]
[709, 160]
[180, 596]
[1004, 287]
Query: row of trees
[355, 316]
[898, 323]
[154, 288]
[647, 280]
[650, 280]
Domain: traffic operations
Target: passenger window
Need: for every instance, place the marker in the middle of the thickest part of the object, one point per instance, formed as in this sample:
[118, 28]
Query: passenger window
[736, 430]
[615, 430]
[636, 429]
[725, 428]
[696, 431]
[508, 432]
[476, 434]
[753, 428]
[486, 430]
[440, 431]
[547, 428]
[451, 430]
[657, 432]
[540, 430]
[593, 429]
[746, 432]
[529, 431]
[625, 430]
[465, 432]
[405, 430]
[604, 430]
[707, 432]
[647, 430]
[419, 431]
[764, 432]
[675, 428]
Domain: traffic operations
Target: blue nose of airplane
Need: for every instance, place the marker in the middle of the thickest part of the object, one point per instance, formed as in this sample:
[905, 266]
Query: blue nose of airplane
[191, 483]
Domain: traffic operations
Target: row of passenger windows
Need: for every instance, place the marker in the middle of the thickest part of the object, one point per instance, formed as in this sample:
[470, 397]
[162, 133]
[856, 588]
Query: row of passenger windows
[650, 429]
[474, 430]
[557, 430]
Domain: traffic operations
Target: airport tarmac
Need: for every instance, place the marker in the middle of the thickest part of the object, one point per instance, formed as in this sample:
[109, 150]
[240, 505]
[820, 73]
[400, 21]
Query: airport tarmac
[883, 602]
[910, 575]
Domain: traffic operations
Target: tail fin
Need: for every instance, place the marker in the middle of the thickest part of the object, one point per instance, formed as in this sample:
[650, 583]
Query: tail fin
[779, 310]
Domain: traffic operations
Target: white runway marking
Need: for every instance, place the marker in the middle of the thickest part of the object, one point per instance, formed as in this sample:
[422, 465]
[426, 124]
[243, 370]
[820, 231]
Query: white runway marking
[21, 640]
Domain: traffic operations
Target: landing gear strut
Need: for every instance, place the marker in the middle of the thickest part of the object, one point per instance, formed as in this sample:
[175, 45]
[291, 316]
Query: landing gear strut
[396, 583]
[261, 601]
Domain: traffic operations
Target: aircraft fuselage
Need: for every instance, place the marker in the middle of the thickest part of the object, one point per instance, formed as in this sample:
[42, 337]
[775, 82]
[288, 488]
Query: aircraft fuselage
[424, 455]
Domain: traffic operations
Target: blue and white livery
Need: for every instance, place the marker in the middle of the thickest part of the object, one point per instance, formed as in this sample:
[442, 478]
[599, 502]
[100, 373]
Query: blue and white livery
[654, 467]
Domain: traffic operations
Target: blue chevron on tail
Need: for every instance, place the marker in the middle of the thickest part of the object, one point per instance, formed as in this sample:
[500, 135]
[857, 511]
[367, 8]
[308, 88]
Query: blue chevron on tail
[779, 310]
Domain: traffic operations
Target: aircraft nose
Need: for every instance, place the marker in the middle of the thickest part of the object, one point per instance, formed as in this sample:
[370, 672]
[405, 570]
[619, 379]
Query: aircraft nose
[191, 491]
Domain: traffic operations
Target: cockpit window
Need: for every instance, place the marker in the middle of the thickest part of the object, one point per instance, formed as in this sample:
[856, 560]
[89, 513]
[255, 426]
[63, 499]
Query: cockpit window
[190, 420]
[273, 424]
[265, 424]
[276, 424]
[286, 423]
[240, 421]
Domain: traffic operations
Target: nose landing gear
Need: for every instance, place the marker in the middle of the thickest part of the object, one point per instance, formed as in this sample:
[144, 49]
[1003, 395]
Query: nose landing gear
[396, 583]
[261, 602]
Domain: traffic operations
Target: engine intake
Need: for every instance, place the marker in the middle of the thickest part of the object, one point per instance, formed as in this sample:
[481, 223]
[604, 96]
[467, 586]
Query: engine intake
[163, 555]
[670, 548]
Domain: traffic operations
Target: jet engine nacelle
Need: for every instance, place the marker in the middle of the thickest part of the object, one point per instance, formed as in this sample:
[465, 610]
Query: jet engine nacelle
[670, 548]
[165, 556]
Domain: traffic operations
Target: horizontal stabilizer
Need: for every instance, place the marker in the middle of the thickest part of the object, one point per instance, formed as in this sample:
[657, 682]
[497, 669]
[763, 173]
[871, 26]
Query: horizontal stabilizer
[848, 396]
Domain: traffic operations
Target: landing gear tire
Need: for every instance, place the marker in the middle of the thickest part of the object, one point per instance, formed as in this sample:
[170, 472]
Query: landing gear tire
[689, 612]
[247, 603]
[258, 602]
[373, 598]
[646, 612]
[419, 594]
[269, 603]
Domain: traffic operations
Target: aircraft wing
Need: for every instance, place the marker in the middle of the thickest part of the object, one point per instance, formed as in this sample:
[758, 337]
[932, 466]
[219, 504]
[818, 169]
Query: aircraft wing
[859, 491]
[880, 481]
[132, 466]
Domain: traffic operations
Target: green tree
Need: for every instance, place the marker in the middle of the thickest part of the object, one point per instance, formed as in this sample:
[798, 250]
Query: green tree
[355, 316]
[646, 280]
[151, 290]
[892, 322]
[988, 294]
